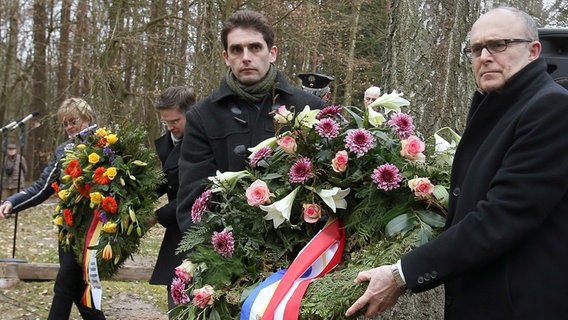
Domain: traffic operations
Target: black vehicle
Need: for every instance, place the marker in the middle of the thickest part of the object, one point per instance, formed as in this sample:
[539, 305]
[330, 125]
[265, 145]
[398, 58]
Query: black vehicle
[555, 52]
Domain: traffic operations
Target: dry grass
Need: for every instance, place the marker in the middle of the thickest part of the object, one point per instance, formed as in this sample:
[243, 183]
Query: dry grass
[36, 242]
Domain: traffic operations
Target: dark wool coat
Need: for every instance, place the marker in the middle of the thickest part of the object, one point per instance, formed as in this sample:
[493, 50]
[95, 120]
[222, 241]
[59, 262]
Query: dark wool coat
[504, 253]
[220, 129]
[167, 259]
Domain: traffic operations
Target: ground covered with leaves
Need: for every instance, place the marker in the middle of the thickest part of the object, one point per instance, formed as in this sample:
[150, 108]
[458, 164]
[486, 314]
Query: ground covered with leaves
[36, 242]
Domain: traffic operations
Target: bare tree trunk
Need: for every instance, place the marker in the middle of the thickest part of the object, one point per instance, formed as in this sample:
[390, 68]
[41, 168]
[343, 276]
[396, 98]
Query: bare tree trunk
[356, 13]
[10, 65]
[64, 45]
[424, 59]
[39, 85]
[79, 83]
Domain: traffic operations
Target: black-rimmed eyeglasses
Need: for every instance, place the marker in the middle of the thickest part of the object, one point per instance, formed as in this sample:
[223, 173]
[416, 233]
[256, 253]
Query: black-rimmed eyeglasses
[492, 46]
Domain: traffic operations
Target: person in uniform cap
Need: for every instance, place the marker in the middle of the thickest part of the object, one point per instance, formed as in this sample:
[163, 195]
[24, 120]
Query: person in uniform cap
[317, 84]
[13, 163]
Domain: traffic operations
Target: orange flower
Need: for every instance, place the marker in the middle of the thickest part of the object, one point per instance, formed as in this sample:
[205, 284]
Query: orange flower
[55, 186]
[68, 216]
[100, 176]
[85, 189]
[109, 204]
[73, 168]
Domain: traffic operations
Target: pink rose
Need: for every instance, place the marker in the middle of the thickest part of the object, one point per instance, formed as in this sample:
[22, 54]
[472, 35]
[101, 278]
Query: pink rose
[185, 271]
[339, 163]
[288, 144]
[312, 212]
[412, 149]
[422, 187]
[203, 297]
[283, 116]
[257, 193]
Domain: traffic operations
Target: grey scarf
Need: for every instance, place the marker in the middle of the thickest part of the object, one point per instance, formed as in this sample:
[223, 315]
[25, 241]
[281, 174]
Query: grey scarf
[254, 92]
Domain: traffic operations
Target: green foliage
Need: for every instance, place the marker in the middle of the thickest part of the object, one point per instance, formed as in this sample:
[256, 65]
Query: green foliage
[111, 177]
[397, 208]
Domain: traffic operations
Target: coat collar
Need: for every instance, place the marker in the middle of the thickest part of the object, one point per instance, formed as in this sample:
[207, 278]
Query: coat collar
[519, 86]
[224, 91]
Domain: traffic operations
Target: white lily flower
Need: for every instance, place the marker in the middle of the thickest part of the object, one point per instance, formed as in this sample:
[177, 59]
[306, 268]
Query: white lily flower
[307, 118]
[280, 210]
[224, 180]
[445, 150]
[270, 142]
[375, 118]
[334, 197]
[391, 101]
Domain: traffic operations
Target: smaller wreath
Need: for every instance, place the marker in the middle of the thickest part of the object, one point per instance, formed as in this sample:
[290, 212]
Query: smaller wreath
[106, 195]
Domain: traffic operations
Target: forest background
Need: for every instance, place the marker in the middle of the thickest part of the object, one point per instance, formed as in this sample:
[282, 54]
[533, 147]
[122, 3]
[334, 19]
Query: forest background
[119, 55]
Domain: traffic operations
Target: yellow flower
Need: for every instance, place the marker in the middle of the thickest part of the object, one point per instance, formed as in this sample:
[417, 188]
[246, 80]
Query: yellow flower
[111, 173]
[109, 227]
[58, 221]
[57, 208]
[101, 132]
[96, 197]
[81, 146]
[111, 138]
[66, 178]
[62, 195]
[94, 158]
[107, 252]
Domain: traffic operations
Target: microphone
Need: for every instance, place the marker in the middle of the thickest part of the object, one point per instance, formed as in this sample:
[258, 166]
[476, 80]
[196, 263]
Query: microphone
[10, 126]
[26, 118]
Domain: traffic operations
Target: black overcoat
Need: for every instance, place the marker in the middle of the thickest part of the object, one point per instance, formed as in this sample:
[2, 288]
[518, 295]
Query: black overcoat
[220, 129]
[504, 253]
[167, 259]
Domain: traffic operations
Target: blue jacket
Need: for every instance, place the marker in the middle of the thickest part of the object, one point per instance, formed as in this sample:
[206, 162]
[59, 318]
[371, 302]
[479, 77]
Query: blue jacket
[41, 189]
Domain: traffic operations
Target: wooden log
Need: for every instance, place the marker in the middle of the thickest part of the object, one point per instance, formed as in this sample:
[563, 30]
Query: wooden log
[48, 271]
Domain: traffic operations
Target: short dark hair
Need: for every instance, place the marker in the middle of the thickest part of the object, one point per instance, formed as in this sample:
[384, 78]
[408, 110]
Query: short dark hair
[248, 19]
[182, 97]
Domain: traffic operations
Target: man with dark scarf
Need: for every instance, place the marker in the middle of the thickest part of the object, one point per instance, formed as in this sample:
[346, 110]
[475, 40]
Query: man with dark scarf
[236, 116]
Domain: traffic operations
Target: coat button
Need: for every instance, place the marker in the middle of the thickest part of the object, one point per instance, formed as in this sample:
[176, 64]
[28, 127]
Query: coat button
[434, 274]
[456, 192]
[240, 150]
[420, 280]
[427, 277]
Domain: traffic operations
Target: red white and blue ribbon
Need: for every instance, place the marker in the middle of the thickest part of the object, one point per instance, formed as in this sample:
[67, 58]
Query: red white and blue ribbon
[280, 295]
[94, 291]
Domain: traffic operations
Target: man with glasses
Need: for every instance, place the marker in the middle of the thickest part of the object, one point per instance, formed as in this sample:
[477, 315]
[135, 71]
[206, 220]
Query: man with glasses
[172, 105]
[503, 252]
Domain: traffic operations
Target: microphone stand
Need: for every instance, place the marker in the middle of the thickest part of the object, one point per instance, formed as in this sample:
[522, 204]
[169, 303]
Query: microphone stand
[5, 145]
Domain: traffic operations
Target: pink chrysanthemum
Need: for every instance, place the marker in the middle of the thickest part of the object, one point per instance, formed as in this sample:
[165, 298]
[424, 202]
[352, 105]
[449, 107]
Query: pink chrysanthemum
[301, 171]
[223, 243]
[327, 128]
[387, 177]
[200, 205]
[359, 141]
[261, 154]
[178, 293]
[328, 111]
[403, 125]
